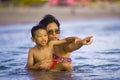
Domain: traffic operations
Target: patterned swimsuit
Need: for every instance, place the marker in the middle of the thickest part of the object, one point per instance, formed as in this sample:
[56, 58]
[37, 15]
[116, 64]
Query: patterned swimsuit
[57, 59]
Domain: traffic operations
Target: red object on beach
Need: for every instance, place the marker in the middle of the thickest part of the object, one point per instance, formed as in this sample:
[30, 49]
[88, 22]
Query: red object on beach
[62, 2]
[71, 2]
[85, 2]
[53, 2]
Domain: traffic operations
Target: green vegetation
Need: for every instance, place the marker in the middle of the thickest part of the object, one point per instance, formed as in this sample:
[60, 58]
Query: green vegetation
[117, 2]
[28, 2]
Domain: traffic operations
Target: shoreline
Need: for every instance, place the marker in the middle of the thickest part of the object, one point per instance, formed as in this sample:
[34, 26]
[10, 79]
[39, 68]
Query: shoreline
[35, 14]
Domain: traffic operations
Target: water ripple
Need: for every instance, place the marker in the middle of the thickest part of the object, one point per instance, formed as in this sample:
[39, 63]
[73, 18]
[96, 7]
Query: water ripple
[112, 28]
[110, 51]
[109, 67]
[4, 67]
[9, 60]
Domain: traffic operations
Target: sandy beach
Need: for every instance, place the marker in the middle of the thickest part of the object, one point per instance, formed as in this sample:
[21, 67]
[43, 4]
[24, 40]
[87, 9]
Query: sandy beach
[34, 14]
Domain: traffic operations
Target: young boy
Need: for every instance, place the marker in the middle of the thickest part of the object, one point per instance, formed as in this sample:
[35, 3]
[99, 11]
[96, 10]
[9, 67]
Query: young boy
[40, 56]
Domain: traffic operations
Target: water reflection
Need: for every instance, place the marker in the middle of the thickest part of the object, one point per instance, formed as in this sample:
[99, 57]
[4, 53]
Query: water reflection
[36, 75]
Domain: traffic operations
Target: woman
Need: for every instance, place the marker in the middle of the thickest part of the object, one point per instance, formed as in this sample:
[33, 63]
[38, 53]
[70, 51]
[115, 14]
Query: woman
[61, 53]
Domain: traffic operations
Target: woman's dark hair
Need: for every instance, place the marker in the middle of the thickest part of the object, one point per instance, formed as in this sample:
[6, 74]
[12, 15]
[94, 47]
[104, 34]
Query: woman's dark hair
[49, 19]
[35, 28]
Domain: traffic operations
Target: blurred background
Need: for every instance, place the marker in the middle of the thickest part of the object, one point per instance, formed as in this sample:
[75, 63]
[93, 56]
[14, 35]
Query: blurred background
[27, 11]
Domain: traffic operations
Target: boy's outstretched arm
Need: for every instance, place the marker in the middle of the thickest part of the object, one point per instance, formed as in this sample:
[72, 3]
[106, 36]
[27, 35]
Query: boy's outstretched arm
[65, 40]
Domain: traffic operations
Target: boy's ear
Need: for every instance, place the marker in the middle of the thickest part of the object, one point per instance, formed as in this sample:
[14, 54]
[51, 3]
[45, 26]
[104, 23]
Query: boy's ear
[33, 40]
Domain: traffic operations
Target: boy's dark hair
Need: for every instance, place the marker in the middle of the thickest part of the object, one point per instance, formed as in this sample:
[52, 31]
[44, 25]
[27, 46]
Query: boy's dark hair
[49, 19]
[35, 28]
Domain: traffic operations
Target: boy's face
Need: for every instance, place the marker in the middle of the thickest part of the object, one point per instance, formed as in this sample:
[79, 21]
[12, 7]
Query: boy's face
[41, 37]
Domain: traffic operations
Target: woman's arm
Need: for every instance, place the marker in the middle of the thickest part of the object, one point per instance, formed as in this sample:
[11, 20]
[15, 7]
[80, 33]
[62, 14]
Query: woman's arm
[77, 43]
[73, 45]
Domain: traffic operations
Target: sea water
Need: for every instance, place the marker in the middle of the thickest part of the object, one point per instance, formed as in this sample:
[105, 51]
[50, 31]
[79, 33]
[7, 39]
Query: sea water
[98, 61]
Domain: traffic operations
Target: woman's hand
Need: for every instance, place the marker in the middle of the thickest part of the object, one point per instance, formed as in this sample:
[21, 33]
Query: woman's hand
[87, 40]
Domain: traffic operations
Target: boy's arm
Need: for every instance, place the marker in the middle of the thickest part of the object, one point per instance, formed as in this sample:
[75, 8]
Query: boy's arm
[77, 43]
[30, 61]
[66, 40]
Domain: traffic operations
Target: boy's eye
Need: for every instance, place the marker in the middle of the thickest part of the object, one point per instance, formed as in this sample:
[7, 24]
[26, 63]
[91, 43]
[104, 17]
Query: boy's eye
[45, 35]
[38, 36]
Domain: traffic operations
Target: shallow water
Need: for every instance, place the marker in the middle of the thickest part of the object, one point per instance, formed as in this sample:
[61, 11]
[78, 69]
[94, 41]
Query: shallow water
[98, 61]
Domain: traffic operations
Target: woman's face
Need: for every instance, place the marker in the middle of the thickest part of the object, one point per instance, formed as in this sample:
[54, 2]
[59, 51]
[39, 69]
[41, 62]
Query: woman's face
[53, 31]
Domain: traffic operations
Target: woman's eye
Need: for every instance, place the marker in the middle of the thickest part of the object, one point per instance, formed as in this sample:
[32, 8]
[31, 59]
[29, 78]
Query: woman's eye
[50, 32]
